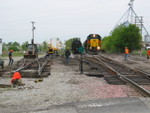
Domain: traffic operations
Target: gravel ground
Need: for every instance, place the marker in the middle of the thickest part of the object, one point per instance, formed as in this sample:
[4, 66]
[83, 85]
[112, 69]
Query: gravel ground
[65, 84]
[135, 61]
[6, 60]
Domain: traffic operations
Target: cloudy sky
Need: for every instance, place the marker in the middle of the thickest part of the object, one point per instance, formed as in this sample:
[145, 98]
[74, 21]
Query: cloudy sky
[63, 18]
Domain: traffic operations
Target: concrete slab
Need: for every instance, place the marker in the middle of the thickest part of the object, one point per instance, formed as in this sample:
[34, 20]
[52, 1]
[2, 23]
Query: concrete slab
[113, 105]
[58, 109]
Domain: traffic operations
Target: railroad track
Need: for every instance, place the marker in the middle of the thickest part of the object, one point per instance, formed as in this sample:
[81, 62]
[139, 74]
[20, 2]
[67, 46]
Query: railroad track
[32, 68]
[122, 74]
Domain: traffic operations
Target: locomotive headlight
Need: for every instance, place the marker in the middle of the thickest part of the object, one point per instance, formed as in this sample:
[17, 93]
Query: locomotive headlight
[94, 35]
[90, 47]
[98, 48]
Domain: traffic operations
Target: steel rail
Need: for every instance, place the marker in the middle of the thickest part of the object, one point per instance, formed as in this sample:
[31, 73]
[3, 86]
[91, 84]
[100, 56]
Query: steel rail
[39, 65]
[25, 66]
[143, 91]
[140, 89]
[42, 67]
[20, 66]
[145, 74]
[105, 65]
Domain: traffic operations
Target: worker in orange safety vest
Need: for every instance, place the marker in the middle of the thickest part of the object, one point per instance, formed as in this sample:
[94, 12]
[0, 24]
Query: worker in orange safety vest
[126, 53]
[16, 79]
[148, 53]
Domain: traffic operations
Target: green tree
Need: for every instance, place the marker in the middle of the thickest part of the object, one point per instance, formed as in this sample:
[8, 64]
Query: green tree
[44, 46]
[9, 43]
[14, 48]
[4, 47]
[24, 46]
[39, 48]
[106, 45]
[123, 36]
[68, 43]
[15, 44]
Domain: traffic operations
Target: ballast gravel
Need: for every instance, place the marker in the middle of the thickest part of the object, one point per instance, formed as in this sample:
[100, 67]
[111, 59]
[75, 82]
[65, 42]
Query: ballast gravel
[64, 85]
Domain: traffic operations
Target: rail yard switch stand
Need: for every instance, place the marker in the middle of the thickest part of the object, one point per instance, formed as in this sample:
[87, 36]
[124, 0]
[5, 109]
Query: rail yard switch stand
[81, 50]
[81, 65]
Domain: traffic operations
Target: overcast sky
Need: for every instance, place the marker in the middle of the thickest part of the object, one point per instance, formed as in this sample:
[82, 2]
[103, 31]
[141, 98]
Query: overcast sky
[63, 18]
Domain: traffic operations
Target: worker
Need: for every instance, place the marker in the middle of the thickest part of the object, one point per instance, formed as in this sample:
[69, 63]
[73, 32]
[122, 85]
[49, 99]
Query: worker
[16, 79]
[148, 53]
[10, 58]
[67, 54]
[126, 53]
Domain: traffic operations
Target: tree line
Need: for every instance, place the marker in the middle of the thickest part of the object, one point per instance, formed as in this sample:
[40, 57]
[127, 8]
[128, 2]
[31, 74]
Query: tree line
[23, 47]
[121, 37]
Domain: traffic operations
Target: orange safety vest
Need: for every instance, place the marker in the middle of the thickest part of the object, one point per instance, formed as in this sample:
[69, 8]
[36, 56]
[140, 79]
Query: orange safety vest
[16, 75]
[126, 51]
[148, 52]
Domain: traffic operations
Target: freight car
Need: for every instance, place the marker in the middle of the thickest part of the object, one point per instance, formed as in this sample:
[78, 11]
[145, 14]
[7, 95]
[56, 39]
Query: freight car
[75, 46]
[93, 43]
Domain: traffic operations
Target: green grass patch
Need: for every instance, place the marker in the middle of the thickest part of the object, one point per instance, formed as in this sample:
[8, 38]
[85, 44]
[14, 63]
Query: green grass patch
[137, 52]
[14, 54]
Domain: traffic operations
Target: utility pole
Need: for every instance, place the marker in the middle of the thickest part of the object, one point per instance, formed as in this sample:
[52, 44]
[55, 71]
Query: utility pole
[1, 46]
[33, 28]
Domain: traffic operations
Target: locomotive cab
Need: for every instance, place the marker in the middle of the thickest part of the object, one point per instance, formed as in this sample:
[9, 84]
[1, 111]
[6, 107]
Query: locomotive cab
[93, 43]
[31, 51]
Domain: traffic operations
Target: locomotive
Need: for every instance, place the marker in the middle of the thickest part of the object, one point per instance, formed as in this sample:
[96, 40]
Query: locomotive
[93, 43]
[75, 46]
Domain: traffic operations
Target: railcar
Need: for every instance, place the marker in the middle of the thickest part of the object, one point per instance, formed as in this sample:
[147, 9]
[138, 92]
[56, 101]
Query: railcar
[75, 46]
[93, 43]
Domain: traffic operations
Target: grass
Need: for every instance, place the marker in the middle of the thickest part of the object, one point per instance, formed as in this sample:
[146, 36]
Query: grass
[14, 54]
[144, 53]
